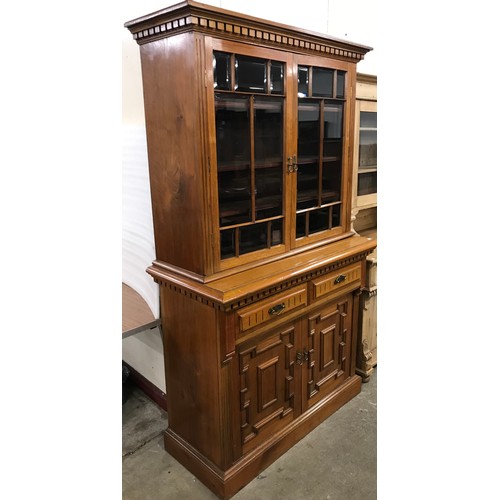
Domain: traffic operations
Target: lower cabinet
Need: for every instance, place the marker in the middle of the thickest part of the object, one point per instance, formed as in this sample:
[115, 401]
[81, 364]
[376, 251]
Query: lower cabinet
[285, 371]
[248, 379]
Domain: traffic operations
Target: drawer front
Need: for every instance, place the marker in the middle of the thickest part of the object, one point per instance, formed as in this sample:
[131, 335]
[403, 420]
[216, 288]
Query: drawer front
[272, 308]
[336, 281]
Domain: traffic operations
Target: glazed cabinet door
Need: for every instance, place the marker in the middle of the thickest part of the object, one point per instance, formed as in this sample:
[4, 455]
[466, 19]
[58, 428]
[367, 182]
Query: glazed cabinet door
[269, 391]
[321, 204]
[247, 113]
[326, 351]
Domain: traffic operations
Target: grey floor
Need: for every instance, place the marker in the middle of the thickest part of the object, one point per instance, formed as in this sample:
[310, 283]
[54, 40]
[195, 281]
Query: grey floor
[336, 461]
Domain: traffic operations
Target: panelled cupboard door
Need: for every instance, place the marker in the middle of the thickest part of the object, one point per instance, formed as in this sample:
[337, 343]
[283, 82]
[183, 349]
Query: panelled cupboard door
[269, 391]
[287, 370]
[278, 126]
[326, 350]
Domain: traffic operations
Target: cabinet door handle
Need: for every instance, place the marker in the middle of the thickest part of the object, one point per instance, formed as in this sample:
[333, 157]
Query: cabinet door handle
[277, 309]
[306, 354]
[299, 358]
[339, 279]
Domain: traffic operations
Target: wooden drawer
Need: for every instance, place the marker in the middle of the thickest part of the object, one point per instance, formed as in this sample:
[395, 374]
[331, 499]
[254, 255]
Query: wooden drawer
[269, 309]
[338, 280]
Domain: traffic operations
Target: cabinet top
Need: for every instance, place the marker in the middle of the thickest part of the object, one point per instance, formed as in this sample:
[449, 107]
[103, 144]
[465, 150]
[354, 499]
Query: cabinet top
[194, 16]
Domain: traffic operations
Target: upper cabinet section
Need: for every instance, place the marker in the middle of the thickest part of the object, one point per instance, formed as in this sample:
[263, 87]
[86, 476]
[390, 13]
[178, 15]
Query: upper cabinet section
[250, 137]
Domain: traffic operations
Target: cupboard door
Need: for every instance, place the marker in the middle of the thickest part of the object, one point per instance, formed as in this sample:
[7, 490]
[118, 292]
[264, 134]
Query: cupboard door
[323, 127]
[269, 388]
[326, 352]
[250, 112]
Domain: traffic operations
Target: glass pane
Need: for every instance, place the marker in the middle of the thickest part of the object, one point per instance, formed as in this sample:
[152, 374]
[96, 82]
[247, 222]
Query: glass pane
[222, 71]
[319, 220]
[300, 225]
[277, 74]
[335, 215]
[303, 81]
[333, 121]
[309, 129]
[277, 232]
[322, 82]
[250, 74]
[368, 119]
[367, 183]
[268, 192]
[341, 84]
[254, 237]
[268, 131]
[235, 201]
[307, 185]
[332, 181]
[233, 159]
[367, 148]
[227, 247]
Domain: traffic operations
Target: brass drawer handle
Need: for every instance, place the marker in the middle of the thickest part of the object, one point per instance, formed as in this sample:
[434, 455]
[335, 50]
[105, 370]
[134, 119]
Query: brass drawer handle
[339, 279]
[277, 309]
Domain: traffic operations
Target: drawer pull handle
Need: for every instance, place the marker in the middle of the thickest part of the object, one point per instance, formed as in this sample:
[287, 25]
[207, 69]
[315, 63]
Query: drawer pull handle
[339, 279]
[277, 309]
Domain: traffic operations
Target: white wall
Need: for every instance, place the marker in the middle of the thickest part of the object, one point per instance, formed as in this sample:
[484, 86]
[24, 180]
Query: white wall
[352, 20]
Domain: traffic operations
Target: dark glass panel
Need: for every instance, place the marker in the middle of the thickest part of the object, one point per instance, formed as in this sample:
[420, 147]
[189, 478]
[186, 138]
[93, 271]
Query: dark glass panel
[367, 148]
[268, 131]
[368, 119]
[319, 220]
[235, 201]
[322, 82]
[341, 84]
[332, 181]
[232, 119]
[333, 120]
[332, 144]
[332, 149]
[250, 74]
[254, 237]
[277, 75]
[367, 183]
[300, 225]
[227, 246]
[303, 81]
[309, 130]
[277, 232]
[336, 215]
[222, 71]
[268, 192]
[233, 159]
[307, 185]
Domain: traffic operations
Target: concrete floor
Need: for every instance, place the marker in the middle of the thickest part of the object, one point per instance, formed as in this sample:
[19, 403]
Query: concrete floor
[336, 461]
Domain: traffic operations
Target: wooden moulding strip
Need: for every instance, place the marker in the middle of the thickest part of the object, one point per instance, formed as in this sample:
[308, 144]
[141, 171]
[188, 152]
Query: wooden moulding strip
[224, 23]
[254, 284]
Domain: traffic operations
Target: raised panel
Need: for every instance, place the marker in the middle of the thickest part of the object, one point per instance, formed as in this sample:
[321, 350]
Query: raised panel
[327, 343]
[268, 385]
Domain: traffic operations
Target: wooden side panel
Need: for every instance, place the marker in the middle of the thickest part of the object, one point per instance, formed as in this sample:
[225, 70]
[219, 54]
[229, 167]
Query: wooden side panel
[172, 89]
[192, 372]
[327, 351]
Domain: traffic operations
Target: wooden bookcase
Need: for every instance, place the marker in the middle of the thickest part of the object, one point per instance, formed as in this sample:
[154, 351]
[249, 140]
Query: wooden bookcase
[250, 144]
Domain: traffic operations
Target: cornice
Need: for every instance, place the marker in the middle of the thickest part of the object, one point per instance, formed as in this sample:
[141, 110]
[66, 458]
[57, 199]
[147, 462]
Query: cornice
[194, 16]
